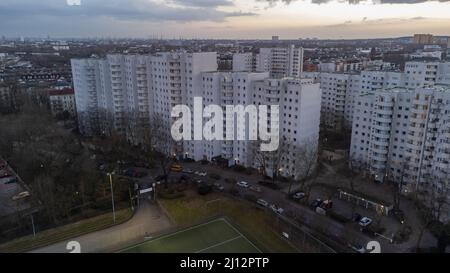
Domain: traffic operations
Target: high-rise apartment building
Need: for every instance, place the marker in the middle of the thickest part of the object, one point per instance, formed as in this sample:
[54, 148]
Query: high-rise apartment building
[340, 90]
[88, 82]
[338, 93]
[403, 135]
[278, 61]
[244, 62]
[121, 92]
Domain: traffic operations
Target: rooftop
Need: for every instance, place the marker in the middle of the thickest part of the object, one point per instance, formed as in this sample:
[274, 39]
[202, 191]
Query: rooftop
[66, 91]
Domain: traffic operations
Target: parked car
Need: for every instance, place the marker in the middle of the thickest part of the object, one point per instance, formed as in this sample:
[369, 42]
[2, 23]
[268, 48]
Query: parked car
[243, 184]
[203, 174]
[321, 211]
[255, 189]
[365, 221]
[188, 171]
[11, 180]
[276, 209]
[262, 202]
[176, 168]
[218, 186]
[316, 203]
[21, 195]
[299, 195]
[327, 205]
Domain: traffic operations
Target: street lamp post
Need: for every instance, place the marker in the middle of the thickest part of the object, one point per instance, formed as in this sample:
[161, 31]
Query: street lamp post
[32, 224]
[112, 196]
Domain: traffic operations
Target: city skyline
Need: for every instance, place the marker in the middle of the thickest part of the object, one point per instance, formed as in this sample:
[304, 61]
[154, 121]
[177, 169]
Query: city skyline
[223, 19]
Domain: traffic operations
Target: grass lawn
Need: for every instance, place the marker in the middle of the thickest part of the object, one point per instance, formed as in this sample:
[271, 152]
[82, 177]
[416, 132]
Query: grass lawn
[211, 237]
[252, 221]
[55, 235]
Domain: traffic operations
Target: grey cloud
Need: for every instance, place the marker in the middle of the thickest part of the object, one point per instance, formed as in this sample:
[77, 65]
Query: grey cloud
[203, 3]
[133, 10]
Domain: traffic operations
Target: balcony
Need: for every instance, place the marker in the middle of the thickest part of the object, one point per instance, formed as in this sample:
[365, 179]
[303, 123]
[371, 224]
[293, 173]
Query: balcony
[380, 150]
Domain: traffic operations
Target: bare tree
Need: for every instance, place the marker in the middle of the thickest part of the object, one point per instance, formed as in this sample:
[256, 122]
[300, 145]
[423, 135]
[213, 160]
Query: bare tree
[355, 167]
[430, 205]
[270, 160]
[159, 145]
[305, 164]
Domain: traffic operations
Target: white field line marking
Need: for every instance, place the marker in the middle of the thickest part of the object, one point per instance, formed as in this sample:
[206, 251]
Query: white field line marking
[259, 250]
[219, 244]
[171, 234]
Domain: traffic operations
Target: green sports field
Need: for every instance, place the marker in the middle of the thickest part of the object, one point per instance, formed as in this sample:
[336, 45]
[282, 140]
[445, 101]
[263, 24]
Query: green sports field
[217, 236]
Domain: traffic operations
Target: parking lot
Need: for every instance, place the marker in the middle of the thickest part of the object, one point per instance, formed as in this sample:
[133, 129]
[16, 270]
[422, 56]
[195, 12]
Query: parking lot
[14, 196]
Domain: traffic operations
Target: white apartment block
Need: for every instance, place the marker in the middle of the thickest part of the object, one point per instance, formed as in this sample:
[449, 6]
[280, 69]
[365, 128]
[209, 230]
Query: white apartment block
[328, 67]
[87, 86]
[280, 62]
[299, 118]
[244, 62]
[338, 94]
[123, 91]
[339, 91]
[404, 135]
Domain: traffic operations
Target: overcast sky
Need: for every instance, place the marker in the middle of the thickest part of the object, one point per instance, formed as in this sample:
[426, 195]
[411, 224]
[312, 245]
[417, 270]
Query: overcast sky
[224, 18]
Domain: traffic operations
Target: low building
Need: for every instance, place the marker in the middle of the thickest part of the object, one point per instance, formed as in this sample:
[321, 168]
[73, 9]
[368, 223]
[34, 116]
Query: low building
[62, 101]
